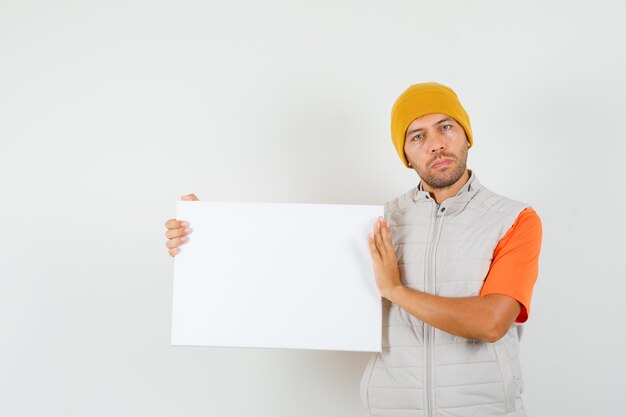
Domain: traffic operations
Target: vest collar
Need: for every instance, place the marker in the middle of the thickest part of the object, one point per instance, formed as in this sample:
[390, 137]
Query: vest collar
[451, 204]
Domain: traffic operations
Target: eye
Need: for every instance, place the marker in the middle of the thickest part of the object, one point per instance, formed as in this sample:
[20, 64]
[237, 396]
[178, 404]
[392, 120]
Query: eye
[446, 127]
[417, 137]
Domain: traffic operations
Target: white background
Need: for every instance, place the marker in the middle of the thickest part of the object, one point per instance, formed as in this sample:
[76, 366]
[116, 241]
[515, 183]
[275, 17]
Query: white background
[109, 111]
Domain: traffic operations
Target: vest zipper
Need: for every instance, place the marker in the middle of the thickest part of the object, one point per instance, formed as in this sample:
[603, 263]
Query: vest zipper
[429, 332]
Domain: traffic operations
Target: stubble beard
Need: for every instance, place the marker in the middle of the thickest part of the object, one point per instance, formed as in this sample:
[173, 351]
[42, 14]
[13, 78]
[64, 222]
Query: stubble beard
[444, 179]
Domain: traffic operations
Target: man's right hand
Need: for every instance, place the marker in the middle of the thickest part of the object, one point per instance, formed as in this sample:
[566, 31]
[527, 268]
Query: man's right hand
[177, 230]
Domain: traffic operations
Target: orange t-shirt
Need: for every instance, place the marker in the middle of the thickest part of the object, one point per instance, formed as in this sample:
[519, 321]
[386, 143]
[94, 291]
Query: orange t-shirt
[515, 263]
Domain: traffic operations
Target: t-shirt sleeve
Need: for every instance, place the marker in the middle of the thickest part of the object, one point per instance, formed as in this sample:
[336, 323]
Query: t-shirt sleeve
[515, 263]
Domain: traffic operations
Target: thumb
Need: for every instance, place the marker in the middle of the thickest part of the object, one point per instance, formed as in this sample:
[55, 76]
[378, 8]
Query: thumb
[189, 197]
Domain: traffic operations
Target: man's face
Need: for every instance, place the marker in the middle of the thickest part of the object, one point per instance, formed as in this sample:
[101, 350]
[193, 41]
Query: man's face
[436, 146]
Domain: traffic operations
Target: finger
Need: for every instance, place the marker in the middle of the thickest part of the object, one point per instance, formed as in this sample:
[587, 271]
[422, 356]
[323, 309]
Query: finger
[376, 227]
[189, 197]
[173, 243]
[181, 231]
[378, 239]
[172, 252]
[386, 235]
[175, 224]
[372, 247]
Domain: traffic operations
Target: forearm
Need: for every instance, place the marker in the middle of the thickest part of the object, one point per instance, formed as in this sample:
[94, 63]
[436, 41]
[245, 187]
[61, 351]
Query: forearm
[479, 317]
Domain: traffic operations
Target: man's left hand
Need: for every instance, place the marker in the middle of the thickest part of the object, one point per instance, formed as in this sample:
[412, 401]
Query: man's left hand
[384, 260]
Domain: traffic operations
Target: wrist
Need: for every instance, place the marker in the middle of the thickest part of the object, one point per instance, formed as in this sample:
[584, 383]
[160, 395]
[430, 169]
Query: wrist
[393, 293]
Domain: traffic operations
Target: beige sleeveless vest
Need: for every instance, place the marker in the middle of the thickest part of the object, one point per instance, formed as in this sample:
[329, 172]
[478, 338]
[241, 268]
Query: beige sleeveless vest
[444, 250]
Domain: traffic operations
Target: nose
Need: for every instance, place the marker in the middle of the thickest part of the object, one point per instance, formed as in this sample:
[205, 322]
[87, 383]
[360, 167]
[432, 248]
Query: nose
[437, 143]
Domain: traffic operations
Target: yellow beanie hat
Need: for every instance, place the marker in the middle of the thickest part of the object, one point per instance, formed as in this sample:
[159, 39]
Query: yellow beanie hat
[419, 100]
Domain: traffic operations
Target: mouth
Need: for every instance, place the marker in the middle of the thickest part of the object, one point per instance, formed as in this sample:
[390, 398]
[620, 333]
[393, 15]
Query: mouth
[441, 163]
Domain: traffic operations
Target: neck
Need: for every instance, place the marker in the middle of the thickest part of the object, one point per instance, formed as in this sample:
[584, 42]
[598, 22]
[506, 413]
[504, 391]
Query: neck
[442, 194]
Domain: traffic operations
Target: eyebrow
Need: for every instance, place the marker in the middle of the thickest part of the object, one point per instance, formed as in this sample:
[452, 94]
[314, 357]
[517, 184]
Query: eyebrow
[447, 119]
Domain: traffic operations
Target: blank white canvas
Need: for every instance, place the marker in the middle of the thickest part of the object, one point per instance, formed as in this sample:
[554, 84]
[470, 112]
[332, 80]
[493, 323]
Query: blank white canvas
[276, 275]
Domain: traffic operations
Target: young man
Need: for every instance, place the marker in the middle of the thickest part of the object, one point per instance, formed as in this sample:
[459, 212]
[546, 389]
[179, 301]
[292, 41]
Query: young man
[455, 264]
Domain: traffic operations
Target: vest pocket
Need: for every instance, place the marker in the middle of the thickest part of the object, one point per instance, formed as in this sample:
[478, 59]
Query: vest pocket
[365, 381]
[508, 378]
